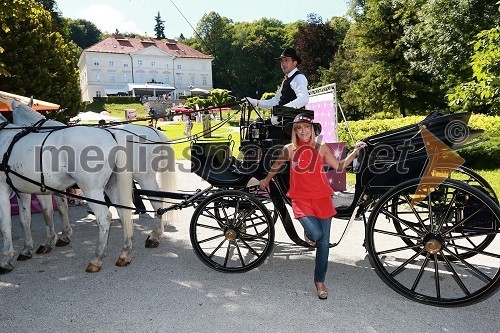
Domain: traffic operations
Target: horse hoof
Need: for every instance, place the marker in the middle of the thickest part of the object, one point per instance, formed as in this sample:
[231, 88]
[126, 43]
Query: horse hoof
[4, 270]
[151, 244]
[61, 243]
[122, 262]
[43, 249]
[93, 268]
[23, 257]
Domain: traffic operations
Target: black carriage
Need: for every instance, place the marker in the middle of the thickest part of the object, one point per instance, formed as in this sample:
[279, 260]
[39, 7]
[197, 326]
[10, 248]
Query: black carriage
[439, 248]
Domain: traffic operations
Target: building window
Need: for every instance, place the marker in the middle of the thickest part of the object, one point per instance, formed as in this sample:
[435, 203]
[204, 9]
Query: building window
[112, 78]
[125, 63]
[96, 62]
[153, 63]
[111, 63]
[139, 63]
[97, 77]
[179, 66]
[179, 80]
[204, 80]
[192, 80]
[140, 78]
[166, 66]
[204, 67]
[167, 79]
[98, 93]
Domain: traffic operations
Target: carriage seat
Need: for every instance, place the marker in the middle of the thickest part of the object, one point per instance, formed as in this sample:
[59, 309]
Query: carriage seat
[213, 162]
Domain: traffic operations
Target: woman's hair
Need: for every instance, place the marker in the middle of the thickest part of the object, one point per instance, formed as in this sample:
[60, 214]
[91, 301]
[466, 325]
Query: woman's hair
[295, 143]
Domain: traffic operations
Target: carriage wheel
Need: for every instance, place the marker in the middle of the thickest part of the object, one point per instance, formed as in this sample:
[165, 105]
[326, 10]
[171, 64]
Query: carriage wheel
[232, 231]
[444, 224]
[462, 174]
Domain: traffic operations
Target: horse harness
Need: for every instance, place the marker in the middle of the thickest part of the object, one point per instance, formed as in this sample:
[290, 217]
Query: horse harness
[4, 166]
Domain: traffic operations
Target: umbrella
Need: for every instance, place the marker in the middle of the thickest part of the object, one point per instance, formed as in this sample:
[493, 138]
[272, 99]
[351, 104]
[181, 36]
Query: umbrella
[199, 91]
[6, 100]
[93, 117]
[181, 109]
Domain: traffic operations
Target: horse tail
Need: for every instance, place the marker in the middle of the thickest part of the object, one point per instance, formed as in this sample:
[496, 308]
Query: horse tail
[124, 187]
[168, 178]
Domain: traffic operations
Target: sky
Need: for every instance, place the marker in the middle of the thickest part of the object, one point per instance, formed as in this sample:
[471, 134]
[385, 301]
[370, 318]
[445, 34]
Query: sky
[137, 16]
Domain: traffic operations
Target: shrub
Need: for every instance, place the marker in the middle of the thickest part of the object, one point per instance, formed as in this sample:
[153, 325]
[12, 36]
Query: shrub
[485, 155]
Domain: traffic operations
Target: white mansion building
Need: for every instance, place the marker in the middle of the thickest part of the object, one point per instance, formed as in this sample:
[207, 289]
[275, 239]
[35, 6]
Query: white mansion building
[148, 67]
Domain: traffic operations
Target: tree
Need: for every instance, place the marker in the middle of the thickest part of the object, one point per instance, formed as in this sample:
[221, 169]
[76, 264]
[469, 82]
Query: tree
[83, 33]
[214, 37]
[41, 62]
[482, 93]
[256, 47]
[317, 42]
[380, 79]
[439, 42]
[159, 27]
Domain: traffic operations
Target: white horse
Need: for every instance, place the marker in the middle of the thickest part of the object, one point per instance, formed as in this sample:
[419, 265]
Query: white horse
[63, 158]
[146, 145]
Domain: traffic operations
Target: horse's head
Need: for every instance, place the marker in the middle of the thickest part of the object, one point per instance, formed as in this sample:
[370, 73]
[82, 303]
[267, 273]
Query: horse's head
[24, 115]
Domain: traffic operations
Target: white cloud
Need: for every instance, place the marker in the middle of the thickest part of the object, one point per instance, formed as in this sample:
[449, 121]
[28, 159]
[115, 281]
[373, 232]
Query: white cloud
[108, 19]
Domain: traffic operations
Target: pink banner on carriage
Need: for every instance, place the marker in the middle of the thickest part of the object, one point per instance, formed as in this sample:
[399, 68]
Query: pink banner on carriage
[325, 114]
[35, 204]
[337, 179]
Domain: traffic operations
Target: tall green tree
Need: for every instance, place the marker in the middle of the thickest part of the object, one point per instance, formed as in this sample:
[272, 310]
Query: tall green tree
[482, 93]
[214, 36]
[256, 47]
[159, 27]
[439, 43]
[381, 79]
[41, 63]
[317, 42]
[83, 33]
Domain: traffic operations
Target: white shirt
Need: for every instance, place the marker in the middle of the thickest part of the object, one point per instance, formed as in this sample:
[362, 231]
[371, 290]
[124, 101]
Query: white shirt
[299, 85]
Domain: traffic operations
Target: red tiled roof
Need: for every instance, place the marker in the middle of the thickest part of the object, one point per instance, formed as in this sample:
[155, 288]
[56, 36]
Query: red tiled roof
[126, 45]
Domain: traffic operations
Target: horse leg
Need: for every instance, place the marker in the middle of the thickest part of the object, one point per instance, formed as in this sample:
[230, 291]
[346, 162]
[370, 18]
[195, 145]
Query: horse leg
[149, 182]
[67, 231]
[103, 217]
[24, 202]
[48, 215]
[120, 191]
[6, 229]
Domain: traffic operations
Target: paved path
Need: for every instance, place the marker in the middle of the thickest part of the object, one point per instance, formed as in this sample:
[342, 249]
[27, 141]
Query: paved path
[169, 290]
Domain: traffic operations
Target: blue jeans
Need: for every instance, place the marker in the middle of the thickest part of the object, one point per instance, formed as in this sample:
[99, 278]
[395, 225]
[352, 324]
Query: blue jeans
[318, 230]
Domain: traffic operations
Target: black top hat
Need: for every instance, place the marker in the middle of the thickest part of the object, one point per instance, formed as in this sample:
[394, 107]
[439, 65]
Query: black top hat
[289, 52]
[305, 118]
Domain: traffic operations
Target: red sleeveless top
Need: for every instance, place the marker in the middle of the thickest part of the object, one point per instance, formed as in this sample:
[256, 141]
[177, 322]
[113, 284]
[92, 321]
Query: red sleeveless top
[309, 188]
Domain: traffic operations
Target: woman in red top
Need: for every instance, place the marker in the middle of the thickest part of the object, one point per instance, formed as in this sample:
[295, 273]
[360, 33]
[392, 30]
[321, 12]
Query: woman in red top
[310, 191]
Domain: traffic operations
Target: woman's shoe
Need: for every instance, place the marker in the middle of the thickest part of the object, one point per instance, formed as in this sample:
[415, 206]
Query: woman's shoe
[308, 241]
[322, 294]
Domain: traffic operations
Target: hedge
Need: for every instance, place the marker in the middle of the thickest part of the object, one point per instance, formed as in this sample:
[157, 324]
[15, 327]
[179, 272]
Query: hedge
[485, 155]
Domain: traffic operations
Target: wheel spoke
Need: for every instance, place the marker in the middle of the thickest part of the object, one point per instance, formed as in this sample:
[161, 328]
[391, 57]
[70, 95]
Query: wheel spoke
[436, 276]
[403, 265]
[475, 251]
[210, 238]
[395, 234]
[474, 269]
[420, 273]
[455, 274]
[389, 214]
[398, 249]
